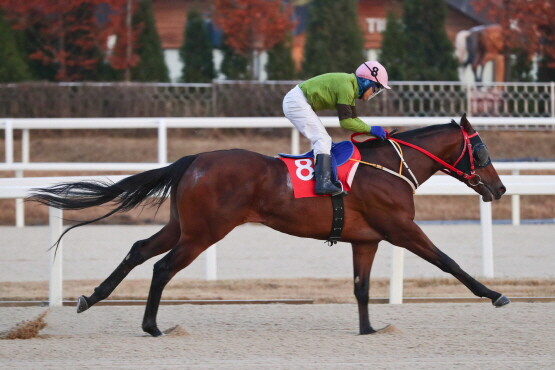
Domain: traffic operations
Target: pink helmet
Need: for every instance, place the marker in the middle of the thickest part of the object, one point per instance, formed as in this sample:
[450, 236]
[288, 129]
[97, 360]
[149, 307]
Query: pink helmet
[373, 71]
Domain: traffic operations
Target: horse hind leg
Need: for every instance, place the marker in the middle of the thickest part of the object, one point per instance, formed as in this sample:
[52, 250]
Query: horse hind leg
[141, 251]
[363, 258]
[177, 259]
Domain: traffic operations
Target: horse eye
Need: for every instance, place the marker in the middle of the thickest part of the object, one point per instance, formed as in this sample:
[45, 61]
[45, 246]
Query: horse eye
[481, 153]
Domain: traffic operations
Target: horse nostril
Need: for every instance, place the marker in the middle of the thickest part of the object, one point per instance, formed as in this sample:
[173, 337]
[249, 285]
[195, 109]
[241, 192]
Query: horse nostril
[502, 190]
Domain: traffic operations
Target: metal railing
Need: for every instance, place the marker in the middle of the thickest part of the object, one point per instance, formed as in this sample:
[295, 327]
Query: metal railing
[264, 99]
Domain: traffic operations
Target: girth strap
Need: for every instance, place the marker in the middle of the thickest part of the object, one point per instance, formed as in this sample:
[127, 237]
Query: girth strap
[338, 219]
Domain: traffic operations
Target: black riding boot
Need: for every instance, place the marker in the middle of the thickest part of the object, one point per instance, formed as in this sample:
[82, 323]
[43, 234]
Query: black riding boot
[322, 175]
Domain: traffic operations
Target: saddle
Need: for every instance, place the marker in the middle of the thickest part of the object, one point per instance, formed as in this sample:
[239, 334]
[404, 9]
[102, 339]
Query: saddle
[301, 168]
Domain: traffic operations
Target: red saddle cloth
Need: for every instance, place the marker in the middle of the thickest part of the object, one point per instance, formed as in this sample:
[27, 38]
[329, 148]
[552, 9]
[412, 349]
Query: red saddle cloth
[301, 171]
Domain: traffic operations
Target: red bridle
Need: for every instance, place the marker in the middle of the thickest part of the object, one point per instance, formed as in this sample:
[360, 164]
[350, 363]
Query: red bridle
[449, 169]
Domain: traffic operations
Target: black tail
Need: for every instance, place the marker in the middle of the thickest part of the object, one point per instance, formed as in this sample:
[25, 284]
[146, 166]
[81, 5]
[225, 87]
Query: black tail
[149, 188]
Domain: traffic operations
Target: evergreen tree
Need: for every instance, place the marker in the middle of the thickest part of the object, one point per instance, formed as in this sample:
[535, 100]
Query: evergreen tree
[29, 44]
[520, 68]
[234, 66]
[196, 51]
[280, 64]
[393, 53]
[546, 69]
[152, 66]
[333, 38]
[13, 66]
[430, 53]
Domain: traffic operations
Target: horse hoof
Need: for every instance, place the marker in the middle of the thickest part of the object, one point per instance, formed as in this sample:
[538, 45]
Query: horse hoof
[153, 331]
[82, 304]
[501, 301]
[386, 329]
[367, 331]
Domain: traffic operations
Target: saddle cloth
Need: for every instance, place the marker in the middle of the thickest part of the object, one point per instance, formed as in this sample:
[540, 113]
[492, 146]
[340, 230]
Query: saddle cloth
[301, 168]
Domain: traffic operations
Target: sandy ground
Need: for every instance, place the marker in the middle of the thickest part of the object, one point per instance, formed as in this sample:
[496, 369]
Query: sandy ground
[424, 336]
[323, 336]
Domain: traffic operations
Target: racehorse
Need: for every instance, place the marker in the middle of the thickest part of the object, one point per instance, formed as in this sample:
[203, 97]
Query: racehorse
[212, 193]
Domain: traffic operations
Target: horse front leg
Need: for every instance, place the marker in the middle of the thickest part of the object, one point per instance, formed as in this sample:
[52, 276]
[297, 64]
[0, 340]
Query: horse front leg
[141, 251]
[363, 258]
[412, 238]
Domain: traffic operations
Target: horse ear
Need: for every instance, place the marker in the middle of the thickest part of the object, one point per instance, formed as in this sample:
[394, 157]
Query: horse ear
[466, 125]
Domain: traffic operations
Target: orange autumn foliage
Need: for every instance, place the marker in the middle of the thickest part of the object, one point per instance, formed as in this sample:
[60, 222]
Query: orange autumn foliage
[253, 25]
[526, 24]
[70, 36]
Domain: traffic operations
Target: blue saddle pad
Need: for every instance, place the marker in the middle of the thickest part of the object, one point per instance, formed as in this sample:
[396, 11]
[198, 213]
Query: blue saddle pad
[340, 153]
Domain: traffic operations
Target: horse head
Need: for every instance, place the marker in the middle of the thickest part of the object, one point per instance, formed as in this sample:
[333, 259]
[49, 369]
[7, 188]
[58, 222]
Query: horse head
[483, 178]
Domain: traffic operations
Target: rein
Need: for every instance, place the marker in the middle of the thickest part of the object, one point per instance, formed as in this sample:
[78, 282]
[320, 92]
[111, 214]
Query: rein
[449, 169]
[413, 184]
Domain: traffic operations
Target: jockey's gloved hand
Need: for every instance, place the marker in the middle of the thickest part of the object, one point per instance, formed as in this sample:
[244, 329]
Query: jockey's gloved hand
[378, 131]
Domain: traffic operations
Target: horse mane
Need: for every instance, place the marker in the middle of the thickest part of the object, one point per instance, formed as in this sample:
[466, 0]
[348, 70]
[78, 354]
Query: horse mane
[417, 133]
[421, 132]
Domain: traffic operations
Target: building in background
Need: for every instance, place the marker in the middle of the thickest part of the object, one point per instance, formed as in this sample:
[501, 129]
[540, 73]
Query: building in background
[171, 17]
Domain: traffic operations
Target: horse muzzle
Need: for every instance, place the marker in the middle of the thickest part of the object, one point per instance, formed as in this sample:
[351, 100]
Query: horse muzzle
[490, 193]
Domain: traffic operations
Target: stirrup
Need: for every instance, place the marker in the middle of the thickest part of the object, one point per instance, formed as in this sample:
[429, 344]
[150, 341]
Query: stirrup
[328, 188]
[343, 192]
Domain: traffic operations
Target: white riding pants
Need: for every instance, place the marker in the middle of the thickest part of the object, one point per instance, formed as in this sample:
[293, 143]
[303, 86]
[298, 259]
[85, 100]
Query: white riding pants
[297, 110]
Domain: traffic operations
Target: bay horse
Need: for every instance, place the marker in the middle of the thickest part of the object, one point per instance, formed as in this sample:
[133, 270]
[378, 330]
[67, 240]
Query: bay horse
[212, 193]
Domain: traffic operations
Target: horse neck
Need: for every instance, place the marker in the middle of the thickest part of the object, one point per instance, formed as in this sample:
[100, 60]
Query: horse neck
[444, 141]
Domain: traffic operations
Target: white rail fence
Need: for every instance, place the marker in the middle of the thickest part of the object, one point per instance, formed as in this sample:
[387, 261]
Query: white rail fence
[163, 124]
[12, 188]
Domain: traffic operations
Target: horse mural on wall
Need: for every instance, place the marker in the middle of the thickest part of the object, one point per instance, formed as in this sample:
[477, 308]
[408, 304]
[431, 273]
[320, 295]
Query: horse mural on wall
[478, 46]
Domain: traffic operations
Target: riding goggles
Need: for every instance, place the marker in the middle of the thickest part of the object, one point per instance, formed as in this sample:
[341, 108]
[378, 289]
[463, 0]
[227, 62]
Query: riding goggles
[375, 92]
[365, 84]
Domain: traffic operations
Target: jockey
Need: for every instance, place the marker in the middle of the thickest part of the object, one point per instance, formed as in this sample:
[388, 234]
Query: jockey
[333, 91]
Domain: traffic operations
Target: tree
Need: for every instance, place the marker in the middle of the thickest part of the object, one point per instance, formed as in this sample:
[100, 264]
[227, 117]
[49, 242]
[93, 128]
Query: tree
[252, 26]
[430, 53]
[13, 66]
[546, 70]
[151, 65]
[280, 64]
[122, 57]
[394, 54]
[333, 38]
[526, 25]
[196, 51]
[521, 67]
[234, 66]
[66, 36]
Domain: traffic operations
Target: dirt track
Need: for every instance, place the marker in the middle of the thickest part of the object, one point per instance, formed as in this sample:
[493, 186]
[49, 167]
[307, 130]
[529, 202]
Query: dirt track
[423, 336]
[323, 336]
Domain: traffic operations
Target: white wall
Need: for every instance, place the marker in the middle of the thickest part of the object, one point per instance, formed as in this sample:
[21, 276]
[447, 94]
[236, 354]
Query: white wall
[174, 63]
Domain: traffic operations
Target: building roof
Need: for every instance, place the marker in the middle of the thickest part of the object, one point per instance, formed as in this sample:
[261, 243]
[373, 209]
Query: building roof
[465, 7]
